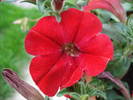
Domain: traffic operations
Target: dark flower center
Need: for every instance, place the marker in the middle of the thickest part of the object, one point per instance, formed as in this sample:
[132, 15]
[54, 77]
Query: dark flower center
[70, 49]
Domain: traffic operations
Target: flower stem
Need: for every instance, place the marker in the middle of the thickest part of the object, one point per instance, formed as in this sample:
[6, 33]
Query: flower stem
[123, 89]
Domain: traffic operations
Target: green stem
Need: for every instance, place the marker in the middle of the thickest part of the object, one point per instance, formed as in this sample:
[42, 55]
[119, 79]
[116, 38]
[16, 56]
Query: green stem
[123, 89]
[84, 97]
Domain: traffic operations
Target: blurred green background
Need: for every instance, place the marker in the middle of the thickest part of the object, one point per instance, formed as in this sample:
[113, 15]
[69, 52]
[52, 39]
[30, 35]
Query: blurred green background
[13, 28]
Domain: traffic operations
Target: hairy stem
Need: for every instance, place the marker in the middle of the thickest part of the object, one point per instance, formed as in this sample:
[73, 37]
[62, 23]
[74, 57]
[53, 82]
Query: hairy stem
[123, 89]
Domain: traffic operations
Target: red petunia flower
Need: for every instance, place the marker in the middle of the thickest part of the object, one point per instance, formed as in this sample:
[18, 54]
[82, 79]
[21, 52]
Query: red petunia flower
[65, 50]
[113, 6]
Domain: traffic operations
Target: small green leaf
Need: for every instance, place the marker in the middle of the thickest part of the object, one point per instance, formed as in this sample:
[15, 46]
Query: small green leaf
[46, 98]
[130, 1]
[112, 95]
[117, 31]
[63, 92]
[74, 95]
[40, 4]
[119, 66]
[84, 97]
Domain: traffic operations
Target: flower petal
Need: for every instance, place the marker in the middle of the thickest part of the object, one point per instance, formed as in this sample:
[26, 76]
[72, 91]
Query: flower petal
[49, 75]
[100, 45]
[40, 65]
[74, 78]
[43, 66]
[90, 25]
[93, 65]
[56, 76]
[70, 23]
[37, 44]
[50, 28]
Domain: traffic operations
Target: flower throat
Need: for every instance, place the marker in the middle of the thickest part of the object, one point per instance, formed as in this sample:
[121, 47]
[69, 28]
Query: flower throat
[70, 49]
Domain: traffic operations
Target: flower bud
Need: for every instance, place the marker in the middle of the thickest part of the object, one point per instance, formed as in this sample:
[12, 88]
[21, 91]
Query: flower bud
[57, 5]
[113, 6]
[26, 90]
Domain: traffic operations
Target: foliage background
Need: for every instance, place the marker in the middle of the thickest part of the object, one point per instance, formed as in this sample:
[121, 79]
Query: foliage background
[12, 53]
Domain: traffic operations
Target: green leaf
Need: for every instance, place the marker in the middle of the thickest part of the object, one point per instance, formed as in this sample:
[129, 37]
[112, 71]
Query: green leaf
[130, 24]
[117, 31]
[63, 92]
[46, 98]
[84, 97]
[130, 1]
[94, 91]
[40, 4]
[122, 36]
[73, 94]
[119, 66]
[71, 1]
[112, 95]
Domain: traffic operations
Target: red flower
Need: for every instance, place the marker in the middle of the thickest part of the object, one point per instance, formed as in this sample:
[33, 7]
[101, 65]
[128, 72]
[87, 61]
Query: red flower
[66, 49]
[114, 6]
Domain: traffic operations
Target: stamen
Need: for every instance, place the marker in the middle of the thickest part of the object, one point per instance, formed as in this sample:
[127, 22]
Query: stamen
[70, 49]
